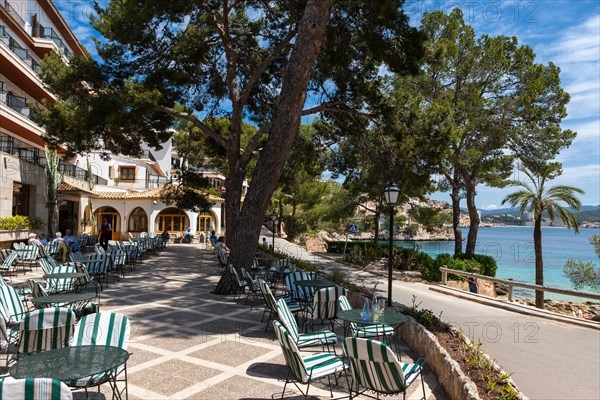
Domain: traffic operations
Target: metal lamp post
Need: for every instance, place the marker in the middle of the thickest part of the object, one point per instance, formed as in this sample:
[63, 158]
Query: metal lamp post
[391, 194]
[273, 218]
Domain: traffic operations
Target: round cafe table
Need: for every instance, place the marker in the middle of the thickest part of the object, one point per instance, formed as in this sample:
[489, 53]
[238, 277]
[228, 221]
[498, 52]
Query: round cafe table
[389, 318]
[73, 363]
[316, 283]
[64, 275]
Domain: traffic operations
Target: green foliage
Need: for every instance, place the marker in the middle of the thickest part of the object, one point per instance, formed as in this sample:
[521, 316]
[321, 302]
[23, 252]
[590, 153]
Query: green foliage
[429, 217]
[533, 194]
[488, 263]
[583, 274]
[431, 272]
[412, 230]
[595, 241]
[19, 222]
[490, 100]
[482, 369]
[426, 317]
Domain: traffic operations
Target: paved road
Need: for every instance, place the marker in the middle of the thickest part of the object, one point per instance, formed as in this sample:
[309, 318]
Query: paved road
[547, 359]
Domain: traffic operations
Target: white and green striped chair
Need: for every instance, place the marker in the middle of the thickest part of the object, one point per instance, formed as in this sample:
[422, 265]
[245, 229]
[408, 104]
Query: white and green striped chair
[365, 331]
[9, 261]
[45, 264]
[321, 338]
[375, 368]
[271, 302]
[46, 329]
[28, 255]
[56, 285]
[241, 283]
[12, 305]
[106, 329]
[325, 305]
[301, 293]
[305, 369]
[34, 389]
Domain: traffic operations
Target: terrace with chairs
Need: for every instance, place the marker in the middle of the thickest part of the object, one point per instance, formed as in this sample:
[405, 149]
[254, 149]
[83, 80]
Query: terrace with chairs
[185, 343]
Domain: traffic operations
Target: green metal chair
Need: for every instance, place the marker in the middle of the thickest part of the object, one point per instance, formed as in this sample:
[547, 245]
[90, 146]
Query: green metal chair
[305, 369]
[375, 368]
[271, 302]
[46, 329]
[325, 305]
[321, 338]
[108, 329]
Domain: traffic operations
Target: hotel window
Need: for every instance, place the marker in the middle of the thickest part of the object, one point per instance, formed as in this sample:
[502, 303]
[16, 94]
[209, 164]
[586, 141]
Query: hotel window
[127, 174]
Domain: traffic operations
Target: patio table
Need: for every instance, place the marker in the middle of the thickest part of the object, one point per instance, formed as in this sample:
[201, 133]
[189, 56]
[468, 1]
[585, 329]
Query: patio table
[73, 363]
[388, 317]
[65, 275]
[316, 283]
[73, 300]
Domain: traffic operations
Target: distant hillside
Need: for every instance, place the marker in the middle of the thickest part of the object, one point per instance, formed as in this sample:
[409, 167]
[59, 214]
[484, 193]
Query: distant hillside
[587, 213]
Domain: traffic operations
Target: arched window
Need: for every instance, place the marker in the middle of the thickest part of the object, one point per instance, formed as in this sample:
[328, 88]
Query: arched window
[138, 220]
[206, 223]
[172, 220]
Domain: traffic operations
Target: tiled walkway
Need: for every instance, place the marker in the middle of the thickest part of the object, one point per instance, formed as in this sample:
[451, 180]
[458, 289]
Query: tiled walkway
[187, 343]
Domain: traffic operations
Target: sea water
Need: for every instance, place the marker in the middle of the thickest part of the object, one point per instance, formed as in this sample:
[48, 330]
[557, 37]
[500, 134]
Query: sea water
[512, 248]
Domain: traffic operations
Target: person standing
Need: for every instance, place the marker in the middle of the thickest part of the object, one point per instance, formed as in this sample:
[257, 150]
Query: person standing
[105, 233]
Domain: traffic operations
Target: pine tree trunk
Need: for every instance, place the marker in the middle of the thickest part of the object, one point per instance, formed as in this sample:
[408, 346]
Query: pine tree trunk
[458, 238]
[244, 229]
[539, 263]
[376, 238]
[474, 220]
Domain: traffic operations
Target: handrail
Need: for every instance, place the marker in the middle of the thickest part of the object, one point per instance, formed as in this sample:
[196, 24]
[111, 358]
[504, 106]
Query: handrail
[510, 284]
[12, 12]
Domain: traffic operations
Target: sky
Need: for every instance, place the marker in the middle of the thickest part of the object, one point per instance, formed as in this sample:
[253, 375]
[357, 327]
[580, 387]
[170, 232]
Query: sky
[565, 32]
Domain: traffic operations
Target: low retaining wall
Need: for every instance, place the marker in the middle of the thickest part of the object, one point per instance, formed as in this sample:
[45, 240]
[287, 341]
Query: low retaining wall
[457, 385]
[8, 237]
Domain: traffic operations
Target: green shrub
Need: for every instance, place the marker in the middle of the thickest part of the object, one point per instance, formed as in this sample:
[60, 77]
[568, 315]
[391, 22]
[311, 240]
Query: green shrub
[431, 272]
[410, 259]
[488, 264]
[20, 222]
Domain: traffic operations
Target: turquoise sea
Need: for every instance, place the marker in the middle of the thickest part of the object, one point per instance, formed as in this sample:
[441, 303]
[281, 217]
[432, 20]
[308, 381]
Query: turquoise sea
[512, 247]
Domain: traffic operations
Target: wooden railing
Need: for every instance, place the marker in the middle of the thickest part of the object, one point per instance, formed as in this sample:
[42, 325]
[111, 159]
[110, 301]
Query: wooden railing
[512, 284]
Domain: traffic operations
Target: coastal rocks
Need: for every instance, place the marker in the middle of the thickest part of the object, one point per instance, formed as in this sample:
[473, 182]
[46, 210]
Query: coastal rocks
[315, 245]
[588, 310]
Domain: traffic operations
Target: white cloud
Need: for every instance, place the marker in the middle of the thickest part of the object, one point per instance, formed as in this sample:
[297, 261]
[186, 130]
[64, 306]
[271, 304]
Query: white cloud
[490, 207]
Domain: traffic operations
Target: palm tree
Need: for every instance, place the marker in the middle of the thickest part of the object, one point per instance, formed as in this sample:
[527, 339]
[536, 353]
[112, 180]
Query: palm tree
[534, 195]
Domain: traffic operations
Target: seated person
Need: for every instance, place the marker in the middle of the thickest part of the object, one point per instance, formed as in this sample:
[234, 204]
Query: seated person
[61, 245]
[33, 240]
[71, 241]
[187, 236]
[42, 238]
[221, 244]
[213, 238]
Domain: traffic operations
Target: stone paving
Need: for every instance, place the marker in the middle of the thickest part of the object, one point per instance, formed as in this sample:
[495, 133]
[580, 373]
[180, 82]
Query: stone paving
[187, 343]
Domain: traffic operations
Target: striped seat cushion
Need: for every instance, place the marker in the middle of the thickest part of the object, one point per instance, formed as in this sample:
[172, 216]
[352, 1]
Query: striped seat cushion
[316, 338]
[373, 330]
[34, 389]
[323, 364]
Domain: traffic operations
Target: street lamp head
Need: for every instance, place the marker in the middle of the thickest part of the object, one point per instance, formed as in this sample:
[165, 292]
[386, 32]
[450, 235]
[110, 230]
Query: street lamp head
[273, 217]
[391, 194]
